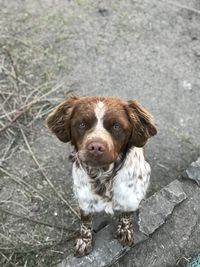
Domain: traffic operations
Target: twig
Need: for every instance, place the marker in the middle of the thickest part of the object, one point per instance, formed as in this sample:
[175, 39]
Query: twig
[7, 238]
[22, 182]
[9, 156]
[38, 115]
[45, 176]
[53, 90]
[13, 202]
[35, 221]
[46, 112]
[41, 246]
[15, 39]
[9, 130]
[194, 10]
[2, 106]
[16, 76]
[10, 94]
[37, 89]
[18, 110]
[7, 149]
[13, 76]
[26, 107]
[20, 113]
[7, 259]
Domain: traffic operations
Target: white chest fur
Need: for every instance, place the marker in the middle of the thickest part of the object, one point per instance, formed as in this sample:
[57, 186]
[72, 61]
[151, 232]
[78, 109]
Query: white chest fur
[128, 189]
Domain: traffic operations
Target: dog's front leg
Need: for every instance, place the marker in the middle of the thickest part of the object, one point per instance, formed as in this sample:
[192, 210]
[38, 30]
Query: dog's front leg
[83, 244]
[125, 233]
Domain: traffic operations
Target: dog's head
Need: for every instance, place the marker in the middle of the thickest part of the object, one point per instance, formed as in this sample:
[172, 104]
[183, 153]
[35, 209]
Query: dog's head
[101, 128]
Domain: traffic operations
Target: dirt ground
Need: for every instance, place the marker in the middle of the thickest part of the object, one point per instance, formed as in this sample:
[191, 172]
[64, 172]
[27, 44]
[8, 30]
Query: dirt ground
[147, 50]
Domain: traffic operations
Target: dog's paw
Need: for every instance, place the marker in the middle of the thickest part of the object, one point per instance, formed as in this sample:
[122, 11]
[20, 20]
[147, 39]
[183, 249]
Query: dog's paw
[125, 233]
[83, 246]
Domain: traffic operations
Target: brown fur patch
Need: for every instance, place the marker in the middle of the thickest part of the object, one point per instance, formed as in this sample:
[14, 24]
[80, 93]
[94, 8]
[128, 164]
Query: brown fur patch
[58, 121]
[143, 126]
[74, 119]
[84, 110]
[103, 188]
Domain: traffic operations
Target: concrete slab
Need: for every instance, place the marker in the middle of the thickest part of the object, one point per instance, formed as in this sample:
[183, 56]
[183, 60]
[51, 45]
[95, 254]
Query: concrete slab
[176, 239]
[155, 210]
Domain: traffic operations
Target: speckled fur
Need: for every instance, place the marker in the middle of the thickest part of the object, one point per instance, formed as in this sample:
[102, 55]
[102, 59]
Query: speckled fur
[83, 244]
[110, 173]
[125, 233]
[124, 191]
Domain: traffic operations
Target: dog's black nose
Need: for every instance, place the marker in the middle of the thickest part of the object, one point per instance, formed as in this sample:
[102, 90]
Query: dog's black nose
[96, 148]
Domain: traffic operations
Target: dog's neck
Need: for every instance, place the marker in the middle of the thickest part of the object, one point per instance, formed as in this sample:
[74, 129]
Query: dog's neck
[105, 172]
[101, 178]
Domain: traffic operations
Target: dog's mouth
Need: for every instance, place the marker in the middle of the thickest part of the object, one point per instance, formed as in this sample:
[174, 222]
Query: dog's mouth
[102, 161]
[97, 164]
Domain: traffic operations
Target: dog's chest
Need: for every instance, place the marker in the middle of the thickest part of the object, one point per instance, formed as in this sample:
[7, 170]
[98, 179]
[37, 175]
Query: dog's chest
[123, 192]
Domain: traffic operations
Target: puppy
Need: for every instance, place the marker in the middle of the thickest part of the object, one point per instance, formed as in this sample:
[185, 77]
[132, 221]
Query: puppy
[110, 173]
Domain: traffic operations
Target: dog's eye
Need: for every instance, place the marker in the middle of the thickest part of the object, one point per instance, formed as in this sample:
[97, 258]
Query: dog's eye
[82, 125]
[116, 126]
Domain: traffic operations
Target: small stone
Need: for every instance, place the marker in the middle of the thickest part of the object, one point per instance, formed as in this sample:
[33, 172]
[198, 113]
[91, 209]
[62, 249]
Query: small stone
[39, 186]
[35, 207]
[155, 210]
[193, 172]
[187, 85]
[103, 11]
[44, 183]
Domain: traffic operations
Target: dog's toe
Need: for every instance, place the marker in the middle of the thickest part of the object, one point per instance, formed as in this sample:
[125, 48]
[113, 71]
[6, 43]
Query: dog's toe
[83, 246]
[125, 234]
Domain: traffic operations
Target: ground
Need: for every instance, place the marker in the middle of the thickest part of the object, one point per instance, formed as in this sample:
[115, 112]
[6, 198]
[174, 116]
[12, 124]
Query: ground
[146, 50]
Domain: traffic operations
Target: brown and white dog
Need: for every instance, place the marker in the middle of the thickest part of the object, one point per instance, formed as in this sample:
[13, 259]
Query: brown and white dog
[110, 173]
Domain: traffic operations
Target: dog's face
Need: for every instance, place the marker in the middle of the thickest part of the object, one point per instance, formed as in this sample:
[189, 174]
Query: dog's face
[101, 128]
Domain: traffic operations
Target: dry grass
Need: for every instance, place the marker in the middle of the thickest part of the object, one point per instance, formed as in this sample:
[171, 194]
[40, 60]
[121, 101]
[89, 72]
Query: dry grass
[22, 104]
[37, 223]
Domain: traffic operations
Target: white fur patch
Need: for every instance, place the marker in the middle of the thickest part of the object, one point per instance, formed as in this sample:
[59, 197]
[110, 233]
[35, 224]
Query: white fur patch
[131, 182]
[129, 187]
[99, 130]
[88, 201]
[100, 112]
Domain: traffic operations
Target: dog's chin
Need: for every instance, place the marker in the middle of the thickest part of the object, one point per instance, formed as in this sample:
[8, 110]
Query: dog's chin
[102, 161]
[95, 162]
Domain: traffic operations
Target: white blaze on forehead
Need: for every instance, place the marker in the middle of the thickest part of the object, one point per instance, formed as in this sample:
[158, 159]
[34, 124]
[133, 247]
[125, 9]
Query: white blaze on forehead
[100, 112]
[99, 131]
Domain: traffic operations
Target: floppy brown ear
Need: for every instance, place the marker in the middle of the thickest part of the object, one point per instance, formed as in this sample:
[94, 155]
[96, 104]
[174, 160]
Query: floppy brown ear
[58, 121]
[143, 126]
